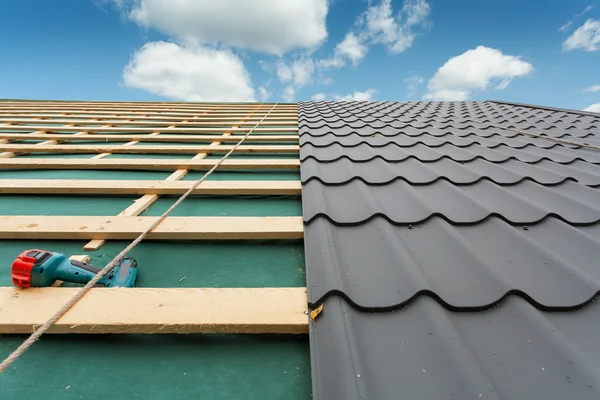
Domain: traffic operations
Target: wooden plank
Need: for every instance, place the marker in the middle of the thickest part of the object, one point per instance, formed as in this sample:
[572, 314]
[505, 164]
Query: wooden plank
[219, 123]
[51, 128]
[127, 228]
[130, 149]
[132, 143]
[132, 105]
[136, 208]
[152, 117]
[116, 109]
[127, 187]
[140, 114]
[157, 310]
[146, 138]
[142, 105]
[147, 200]
[147, 164]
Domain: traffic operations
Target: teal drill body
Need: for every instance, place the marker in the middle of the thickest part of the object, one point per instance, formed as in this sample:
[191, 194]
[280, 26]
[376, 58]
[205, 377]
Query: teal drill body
[45, 268]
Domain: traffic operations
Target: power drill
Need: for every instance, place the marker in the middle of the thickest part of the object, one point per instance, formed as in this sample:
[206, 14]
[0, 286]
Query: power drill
[40, 268]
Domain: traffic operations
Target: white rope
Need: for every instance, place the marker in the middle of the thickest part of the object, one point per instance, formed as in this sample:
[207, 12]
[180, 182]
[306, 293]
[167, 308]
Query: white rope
[40, 331]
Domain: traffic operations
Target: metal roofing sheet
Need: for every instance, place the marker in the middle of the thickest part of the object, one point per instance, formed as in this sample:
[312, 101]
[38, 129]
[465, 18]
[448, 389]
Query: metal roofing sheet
[379, 172]
[419, 212]
[425, 351]
[401, 203]
[381, 266]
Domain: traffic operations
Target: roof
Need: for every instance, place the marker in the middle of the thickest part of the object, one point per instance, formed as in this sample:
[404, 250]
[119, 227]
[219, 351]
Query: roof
[454, 247]
[165, 366]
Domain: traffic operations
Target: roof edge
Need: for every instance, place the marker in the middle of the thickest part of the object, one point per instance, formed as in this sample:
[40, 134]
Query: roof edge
[580, 112]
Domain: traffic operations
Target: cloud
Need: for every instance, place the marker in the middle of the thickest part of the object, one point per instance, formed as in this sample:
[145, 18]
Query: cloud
[475, 69]
[593, 108]
[263, 93]
[397, 33]
[188, 73]
[351, 48]
[348, 49]
[586, 37]
[299, 72]
[270, 26]
[288, 94]
[593, 88]
[367, 95]
[412, 83]
[302, 70]
[284, 73]
[568, 24]
[378, 25]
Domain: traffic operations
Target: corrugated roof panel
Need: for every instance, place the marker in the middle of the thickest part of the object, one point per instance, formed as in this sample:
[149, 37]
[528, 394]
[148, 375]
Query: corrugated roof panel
[379, 172]
[425, 351]
[401, 203]
[435, 233]
[381, 266]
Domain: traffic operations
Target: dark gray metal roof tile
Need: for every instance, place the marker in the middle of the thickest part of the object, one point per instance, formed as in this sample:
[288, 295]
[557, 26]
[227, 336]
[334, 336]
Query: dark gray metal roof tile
[417, 211]
[394, 153]
[378, 172]
[401, 203]
[424, 351]
[380, 266]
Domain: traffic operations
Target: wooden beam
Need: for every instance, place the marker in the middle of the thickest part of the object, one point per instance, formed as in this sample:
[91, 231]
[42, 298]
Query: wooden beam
[219, 123]
[127, 228]
[157, 310]
[144, 105]
[130, 149]
[127, 187]
[142, 114]
[147, 164]
[51, 128]
[146, 138]
[152, 117]
[119, 109]
[134, 209]
[141, 204]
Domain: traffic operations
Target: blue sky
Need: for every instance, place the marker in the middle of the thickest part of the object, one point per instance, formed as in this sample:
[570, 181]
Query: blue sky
[535, 51]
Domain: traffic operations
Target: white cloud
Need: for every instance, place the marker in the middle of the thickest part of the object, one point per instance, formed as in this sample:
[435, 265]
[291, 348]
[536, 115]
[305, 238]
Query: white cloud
[397, 33]
[288, 94]
[351, 48]
[299, 72]
[475, 69]
[593, 108]
[271, 26]
[593, 88]
[185, 73]
[284, 73]
[412, 84]
[447, 95]
[266, 66]
[586, 37]
[568, 24]
[302, 70]
[367, 95]
[263, 93]
[333, 62]
[379, 25]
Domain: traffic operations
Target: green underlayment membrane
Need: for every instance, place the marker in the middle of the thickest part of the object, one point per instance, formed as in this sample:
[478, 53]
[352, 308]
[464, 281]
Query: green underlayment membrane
[191, 366]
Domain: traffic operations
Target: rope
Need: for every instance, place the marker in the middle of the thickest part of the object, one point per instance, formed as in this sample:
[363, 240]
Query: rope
[40, 331]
